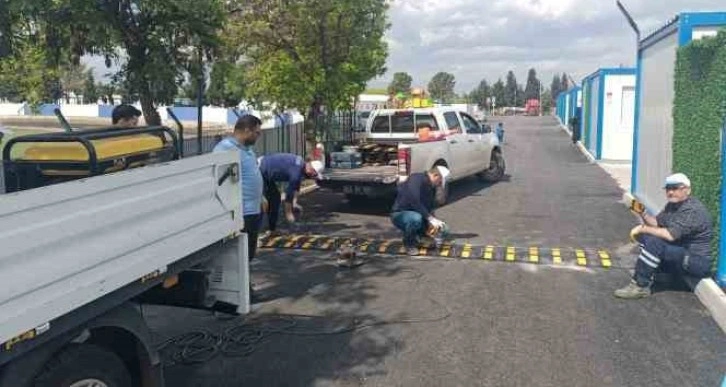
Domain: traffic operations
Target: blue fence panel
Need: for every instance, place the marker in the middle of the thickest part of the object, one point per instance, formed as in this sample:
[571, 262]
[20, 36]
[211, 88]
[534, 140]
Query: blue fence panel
[105, 110]
[46, 109]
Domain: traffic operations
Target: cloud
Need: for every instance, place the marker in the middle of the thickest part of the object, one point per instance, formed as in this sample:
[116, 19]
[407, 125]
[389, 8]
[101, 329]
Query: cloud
[477, 40]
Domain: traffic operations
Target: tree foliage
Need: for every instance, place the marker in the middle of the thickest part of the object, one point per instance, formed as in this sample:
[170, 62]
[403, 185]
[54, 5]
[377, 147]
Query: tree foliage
[510, 90]
[401, 83]
[555, 87]
[90, 89]
[480, 94]
[498, 93]
[154, 40]
[308, 54]
[532, 88]
[441, 87]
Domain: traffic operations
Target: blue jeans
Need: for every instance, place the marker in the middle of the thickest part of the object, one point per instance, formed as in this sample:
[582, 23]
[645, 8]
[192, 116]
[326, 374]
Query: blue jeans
[657, 255]
[411, 223]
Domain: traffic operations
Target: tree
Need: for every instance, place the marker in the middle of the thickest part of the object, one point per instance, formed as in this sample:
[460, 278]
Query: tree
[401, 83]
[90, 92]
[555, 87]
[73, 79]
[519, 97]
[441, 87]
[547, 101]
[532, 89]
[155, 38]
[26, 75]
[498, 93]
[564, 83]
[510, 90]
[480, 94]
[309, 54]
[227, 84]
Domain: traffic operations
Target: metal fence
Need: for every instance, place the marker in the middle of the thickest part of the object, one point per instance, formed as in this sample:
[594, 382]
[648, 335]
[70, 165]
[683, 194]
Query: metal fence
[287, 139]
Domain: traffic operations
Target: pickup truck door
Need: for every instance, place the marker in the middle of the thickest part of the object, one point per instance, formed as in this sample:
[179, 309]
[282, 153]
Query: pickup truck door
[480, 147]
[460, 162]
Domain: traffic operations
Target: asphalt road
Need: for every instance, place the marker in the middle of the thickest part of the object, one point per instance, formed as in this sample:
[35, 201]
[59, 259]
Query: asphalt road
[398, 321]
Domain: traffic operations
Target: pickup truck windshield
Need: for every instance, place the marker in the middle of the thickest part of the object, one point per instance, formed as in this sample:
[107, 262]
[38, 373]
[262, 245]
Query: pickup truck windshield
[401, 123]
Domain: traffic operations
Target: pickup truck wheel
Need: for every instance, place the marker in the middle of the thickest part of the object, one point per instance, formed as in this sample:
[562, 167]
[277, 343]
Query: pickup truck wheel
[496, 169]
[84, 365]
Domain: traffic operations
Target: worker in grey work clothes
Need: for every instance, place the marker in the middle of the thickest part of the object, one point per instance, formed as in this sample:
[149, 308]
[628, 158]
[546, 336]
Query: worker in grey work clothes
[413, 210]
[285, 168]
[676, 241]
[245, 135]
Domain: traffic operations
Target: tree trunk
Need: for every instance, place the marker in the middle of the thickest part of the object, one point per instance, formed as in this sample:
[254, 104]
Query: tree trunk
[147, 106]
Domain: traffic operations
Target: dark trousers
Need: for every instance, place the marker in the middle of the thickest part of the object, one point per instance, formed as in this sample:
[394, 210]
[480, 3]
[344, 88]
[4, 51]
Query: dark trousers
[412, 224]
[659, 256]
[252, 229]
[272, 195]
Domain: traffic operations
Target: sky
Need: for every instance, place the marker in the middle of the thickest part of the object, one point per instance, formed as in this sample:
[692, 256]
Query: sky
[484, 39]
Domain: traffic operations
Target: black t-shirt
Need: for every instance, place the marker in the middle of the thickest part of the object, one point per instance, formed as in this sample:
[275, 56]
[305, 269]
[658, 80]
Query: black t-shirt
[690, 225]
[416, 194]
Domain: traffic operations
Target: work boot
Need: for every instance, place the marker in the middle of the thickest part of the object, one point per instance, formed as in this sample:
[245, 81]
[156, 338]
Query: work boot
[632, 291]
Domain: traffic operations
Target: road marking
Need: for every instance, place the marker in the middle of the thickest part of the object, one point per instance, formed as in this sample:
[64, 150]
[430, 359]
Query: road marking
[581, 257]
[309, 243]
[327, 242]
[466, 251]
[510, 254]
[533, 255]
[604, 258]
[593, 257]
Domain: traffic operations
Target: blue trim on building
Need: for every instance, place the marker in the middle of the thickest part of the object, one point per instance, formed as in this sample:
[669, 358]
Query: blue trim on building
[702, 19]
[721, 270]
[600, 116]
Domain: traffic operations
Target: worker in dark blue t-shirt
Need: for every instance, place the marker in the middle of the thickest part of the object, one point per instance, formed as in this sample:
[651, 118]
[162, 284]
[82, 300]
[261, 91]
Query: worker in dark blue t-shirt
[413, 211]
[285, 168]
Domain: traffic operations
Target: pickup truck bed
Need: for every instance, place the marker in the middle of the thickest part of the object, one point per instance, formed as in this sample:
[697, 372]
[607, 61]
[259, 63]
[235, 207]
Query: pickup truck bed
[67, 245]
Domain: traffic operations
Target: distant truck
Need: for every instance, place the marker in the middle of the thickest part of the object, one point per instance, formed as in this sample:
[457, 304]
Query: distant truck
[532, 107]
[391, 149]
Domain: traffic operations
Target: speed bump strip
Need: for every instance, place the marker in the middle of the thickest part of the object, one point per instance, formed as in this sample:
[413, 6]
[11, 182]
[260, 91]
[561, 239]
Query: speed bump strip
[529, 254]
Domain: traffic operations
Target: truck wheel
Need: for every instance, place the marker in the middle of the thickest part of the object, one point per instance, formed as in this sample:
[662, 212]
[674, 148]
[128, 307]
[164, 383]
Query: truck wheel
[84, 365]
[496, 169]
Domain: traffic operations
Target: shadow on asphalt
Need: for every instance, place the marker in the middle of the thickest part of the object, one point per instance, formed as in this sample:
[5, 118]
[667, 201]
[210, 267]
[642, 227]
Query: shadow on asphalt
[322, 334]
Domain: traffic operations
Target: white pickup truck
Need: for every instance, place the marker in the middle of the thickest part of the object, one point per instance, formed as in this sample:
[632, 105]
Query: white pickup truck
[392, 148]
[77, 258]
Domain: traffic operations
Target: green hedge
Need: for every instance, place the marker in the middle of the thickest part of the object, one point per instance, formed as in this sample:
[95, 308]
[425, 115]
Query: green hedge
[698, 115]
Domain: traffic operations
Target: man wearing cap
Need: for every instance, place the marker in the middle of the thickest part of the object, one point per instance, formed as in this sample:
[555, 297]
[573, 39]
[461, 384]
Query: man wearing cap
[413, 210]
[285, 168]
[125, 116]
[678, 240]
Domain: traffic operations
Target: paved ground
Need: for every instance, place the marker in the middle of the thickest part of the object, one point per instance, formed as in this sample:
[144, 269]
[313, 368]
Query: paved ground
[439, 322]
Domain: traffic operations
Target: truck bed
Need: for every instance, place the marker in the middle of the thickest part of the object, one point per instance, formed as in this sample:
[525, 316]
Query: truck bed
[66, 245]
[381, 174]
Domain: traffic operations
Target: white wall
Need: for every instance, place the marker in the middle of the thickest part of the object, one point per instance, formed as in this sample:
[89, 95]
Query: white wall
[701, 32]
[14, 109]
[72, 110]
[618, 117]
[655, 130]
[595, 116]
[217, 115]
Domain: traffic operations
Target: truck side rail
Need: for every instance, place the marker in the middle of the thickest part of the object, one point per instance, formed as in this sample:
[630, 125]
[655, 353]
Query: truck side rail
[65, 245]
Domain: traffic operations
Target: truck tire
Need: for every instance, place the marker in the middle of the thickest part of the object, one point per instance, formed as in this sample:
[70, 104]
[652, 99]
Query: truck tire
[84, 365]
[496, 169]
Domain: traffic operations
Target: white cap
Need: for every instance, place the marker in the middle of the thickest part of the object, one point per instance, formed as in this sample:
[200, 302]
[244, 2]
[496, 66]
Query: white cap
[444, 172]
[677, 179]
[318, 166]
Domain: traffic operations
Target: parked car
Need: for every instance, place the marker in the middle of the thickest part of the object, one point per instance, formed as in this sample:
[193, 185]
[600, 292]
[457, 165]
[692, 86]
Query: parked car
[390, 149]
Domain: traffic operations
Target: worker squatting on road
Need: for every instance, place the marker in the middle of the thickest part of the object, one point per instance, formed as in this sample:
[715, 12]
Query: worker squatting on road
[285, 168]
[413, 210]
[676, 241]
[245, 135]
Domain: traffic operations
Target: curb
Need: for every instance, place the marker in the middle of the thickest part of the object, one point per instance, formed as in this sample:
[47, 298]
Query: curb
[585, 152]
[707, 290]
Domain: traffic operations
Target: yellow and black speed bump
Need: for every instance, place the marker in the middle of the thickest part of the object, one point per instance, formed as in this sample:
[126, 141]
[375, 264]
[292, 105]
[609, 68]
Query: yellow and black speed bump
[586, 257]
